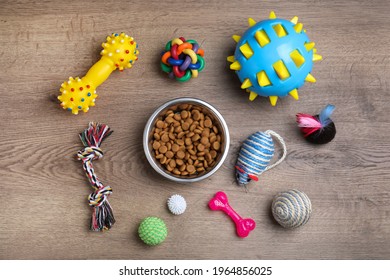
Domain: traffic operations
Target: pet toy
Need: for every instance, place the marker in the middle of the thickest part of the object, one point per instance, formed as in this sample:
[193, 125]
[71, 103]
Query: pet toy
[119, 52]
[255, 154]
[152, 231]
[177, 204]
[243, 226]
[182, 59]
[274, 58]
[318, 129]
[92, 138]
[291, 209]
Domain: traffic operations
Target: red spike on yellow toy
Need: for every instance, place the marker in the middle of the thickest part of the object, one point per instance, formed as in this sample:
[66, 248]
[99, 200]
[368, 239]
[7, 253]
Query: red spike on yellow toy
[120, 51]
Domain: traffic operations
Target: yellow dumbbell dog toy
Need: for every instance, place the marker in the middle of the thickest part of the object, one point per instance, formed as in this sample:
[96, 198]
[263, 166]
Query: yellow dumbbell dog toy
[119, 52]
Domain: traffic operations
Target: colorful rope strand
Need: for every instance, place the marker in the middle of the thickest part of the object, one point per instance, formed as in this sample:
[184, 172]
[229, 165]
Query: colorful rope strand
[92, 138]
[182, 59]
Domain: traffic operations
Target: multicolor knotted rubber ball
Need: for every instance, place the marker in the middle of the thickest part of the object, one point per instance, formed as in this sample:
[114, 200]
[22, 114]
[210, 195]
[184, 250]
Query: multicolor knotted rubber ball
[152, 231]
[291, 209]
[182, 59]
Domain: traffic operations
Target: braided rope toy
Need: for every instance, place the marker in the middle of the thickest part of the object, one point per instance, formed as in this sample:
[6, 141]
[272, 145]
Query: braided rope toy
[255, 154]
[120, 51]
[92, 138]
[182, 59]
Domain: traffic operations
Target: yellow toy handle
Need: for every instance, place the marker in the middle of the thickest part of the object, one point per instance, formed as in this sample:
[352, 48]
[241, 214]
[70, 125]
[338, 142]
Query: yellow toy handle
[120, 51]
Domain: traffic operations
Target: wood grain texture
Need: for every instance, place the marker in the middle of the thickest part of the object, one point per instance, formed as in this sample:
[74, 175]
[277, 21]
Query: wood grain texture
[43, 190]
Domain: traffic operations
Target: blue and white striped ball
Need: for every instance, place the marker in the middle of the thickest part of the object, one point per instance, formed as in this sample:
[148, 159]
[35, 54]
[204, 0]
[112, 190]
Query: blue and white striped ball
[291, 209]
[255, 154]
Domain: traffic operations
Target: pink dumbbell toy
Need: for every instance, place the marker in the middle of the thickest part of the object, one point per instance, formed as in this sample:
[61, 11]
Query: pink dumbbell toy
[243, 226]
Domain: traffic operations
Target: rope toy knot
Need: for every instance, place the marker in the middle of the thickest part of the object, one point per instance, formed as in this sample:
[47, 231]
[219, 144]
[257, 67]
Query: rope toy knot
[99, 196]
[182, 59]
[92, 138]
[90, 153]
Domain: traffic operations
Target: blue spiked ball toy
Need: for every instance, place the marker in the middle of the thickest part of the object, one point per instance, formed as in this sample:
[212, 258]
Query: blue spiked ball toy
[274, 58]
[255, 155]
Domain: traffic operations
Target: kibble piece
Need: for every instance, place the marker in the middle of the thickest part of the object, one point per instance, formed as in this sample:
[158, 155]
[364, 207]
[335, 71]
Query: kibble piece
[160, 124]
[163, 160]
[182, 168]
[192, 152]
[213, 154]
[200, 147]
[196, 115]
[169, 154]
[206, 132]
[180, 142]
[190, 168]
[169, 146]
[159, 156]
[165, 138]
[195, 138]
[216, 145]
[213, 138]
[187, 141]
[185, 126]
[208, 157]
[208, 123]
[181, 134]
[179, 162]
[177, 117]
[184, 173]
[180, 154]
[176, 171]
[156, 145]
[184, 114]
[172, 164]
[175, 148]
[169, 119]
[163, 149]
[200, 169]
[204, 140]
[156, 136]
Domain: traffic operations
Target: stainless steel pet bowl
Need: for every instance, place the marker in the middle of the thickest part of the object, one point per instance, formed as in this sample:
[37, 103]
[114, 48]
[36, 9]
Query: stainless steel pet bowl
[218, 121]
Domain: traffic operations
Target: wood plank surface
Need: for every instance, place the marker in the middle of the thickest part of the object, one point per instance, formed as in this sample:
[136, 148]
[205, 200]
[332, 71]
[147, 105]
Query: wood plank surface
[43, 190]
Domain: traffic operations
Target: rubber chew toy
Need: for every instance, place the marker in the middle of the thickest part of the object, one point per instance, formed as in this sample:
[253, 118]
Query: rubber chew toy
[273, 58]
[318, 129]
[255, 155]
[92, 138]
[182, 59]
[243, 226]
[119, 52]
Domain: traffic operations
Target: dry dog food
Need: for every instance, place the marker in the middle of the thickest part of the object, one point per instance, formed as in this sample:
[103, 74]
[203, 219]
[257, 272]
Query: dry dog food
[186, 141]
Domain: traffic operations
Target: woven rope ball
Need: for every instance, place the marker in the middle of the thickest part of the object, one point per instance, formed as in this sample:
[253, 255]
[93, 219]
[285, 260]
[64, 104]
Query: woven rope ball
[152, 231]
[291, 209]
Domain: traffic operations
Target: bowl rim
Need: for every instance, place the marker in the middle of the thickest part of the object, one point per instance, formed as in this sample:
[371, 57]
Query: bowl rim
[148, 127]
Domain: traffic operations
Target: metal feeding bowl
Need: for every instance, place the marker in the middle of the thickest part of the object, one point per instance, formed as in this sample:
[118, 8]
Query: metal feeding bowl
[206, 109]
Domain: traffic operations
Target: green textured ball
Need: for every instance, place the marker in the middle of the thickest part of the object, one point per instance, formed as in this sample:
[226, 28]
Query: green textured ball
[152, 231]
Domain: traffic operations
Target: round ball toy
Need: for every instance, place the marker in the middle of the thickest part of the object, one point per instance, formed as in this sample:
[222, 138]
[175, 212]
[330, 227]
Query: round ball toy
[273, 58]
[318, 129]
[291, 209]
[177, 204]
[182, 59]
[120, 51]
[152, 231]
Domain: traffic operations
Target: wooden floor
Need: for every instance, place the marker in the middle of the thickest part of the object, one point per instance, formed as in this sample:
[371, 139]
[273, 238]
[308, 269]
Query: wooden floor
[43, 190]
